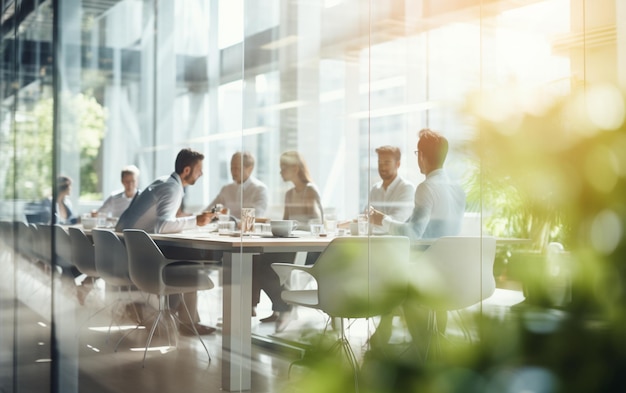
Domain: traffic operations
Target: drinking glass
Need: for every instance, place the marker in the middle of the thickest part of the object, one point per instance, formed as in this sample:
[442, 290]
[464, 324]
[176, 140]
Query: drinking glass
[330, 224]
[225, 227]
[363, 224]
[316, 229]
[247, 220]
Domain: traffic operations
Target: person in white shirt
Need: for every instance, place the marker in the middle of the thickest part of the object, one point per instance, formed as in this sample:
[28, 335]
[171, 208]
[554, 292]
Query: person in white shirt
[392, 195]
[439, 203]
[119, 200]
[245, 190]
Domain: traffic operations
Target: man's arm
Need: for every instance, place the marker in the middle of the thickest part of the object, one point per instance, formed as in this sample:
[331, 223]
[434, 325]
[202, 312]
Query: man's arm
[168, 203]
[106, 206]
[416, 224]
[402, 206]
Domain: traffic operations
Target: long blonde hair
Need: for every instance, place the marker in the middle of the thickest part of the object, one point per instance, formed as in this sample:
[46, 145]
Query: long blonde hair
[293, 158]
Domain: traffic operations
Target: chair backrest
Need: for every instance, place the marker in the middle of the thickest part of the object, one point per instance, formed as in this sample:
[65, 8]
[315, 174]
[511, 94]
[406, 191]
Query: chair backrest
[111, 257]
[6, 234]
[83, 254]
[359, 277]
[62, 247]
[42, 242]
[145, 261]
[456, 271]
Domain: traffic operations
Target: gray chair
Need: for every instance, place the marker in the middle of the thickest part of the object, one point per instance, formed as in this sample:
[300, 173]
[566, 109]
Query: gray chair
[83, 254]
[63, 249]
[24, 236]
[357, 277]
[111, 262]
[153, 273]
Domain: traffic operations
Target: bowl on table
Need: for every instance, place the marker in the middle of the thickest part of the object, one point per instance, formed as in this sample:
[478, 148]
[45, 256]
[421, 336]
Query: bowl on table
[282, 228]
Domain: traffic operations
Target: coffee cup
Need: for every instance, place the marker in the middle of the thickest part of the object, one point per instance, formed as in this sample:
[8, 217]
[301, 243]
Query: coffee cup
[282, 228]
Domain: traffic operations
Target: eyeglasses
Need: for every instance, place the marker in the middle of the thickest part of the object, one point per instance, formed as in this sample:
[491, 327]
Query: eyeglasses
[416, 151]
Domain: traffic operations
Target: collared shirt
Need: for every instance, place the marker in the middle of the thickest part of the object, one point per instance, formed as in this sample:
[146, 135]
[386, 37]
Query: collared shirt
[396, 201]
[154, 210]
[116, 203]
[251, 193]
[438, 211]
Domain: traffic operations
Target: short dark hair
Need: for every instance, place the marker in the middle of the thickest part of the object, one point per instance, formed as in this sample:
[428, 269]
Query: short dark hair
[187, 157]
[395, 151]
[433, 146]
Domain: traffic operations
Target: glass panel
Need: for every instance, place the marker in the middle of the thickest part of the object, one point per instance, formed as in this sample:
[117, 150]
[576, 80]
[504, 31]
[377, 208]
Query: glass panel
[294, 84]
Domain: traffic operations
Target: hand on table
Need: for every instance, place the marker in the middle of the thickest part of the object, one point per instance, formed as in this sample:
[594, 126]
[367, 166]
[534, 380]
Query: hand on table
[376, 217]
[204, 218]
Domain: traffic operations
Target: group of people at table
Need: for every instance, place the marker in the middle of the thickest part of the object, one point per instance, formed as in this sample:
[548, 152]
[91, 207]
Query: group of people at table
[433, 209]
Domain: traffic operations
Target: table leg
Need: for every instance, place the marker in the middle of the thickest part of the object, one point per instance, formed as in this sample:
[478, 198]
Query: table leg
[236, 327]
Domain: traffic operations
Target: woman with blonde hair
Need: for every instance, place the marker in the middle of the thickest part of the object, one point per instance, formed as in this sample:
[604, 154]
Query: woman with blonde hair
[302, 203]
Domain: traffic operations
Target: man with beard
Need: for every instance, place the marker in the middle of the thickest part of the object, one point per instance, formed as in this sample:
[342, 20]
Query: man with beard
[157, 210]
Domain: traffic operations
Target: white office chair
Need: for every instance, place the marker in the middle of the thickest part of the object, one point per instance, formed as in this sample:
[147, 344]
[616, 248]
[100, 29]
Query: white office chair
[357, 277]
[152, 273]
[454, 273]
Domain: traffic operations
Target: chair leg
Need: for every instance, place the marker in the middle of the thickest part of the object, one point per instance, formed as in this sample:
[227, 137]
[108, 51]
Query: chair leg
[162, 314]
[138, 319]
[111, 306]
[434, 337]
[193, 326]
[343, 347]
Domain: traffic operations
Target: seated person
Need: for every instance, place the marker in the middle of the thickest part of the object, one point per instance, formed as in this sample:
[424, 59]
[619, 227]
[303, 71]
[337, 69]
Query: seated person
[245, 190]
[302, 203]
[438, 211]
[63, 209]
[119, 200]
[157, 210]
[392, 195]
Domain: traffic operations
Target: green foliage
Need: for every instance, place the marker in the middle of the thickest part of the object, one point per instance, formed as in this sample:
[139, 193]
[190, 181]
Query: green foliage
[30, 173]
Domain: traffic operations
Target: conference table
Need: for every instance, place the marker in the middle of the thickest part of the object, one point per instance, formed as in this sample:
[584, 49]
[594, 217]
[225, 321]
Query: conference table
[237, 256]
[237, 253]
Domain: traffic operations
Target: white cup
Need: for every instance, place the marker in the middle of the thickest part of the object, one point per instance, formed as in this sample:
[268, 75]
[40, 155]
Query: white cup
[282, 228]
[258, 228]
[354, 228]
[225, 227]
[88, 221]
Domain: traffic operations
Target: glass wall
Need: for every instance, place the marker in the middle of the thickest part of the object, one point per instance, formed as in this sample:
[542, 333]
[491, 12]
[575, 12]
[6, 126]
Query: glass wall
[91, 86]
